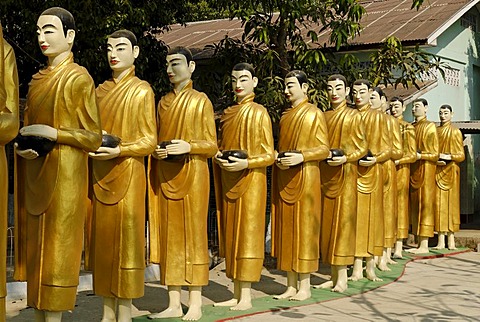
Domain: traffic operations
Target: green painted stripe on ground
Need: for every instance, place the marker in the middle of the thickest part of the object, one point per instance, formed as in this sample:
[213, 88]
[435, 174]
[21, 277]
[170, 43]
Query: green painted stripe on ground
[268, 304]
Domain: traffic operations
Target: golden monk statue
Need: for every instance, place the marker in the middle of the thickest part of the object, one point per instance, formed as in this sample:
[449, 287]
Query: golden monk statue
[409, 155]
[378, 102]
[8, 131]
[423, 205]
[241, 185]
[447, 177]
[180, 187]
[296, 197]
[60, 107]
[127, 110]
[370, 224]
[346, 135]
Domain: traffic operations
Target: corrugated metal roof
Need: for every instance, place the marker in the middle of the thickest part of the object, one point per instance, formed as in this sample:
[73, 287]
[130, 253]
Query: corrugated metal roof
[384, 18]
[411, 93]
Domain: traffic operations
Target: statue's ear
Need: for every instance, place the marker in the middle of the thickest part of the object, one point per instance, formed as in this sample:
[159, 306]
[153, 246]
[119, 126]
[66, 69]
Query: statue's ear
[191, 66]
[70, 36]
[136, 51]
[305, 88]
[255, 81]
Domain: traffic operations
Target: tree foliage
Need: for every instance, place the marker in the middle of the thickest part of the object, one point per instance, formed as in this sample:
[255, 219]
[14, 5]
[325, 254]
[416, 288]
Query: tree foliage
[275, 42]
[95, 20]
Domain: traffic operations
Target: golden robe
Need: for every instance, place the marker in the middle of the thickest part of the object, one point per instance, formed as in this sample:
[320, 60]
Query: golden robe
[296, 196]
[56, 185]
[339, 186]
[370, 218]
[409, 148]
[422, 179]
[241, 195]
[127, 110]
[8, 131]
[390, 195]
[178, 198]
[447, 177]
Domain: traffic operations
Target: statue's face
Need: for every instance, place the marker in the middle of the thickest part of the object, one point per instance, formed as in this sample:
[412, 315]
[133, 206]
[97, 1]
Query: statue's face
[50, 35]
[397, 108]
[445, 115]
[178, 69]
[121, 54]
[293, 91]
[243, 83]
[376, 102]
[361, 95]
[337, 91]
[418, 109]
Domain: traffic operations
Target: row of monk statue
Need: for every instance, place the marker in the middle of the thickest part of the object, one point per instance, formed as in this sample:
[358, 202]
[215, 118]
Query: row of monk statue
[345, 182]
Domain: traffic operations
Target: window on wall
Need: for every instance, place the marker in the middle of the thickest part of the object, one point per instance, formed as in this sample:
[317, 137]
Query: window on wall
[469, 20]
[452, 77]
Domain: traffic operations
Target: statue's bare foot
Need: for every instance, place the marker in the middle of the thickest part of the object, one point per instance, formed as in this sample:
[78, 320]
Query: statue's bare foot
[170, 312]
[291, 291]
[383, 267]
[452, 248]
[418, 250]
[355, 277]
[328, 284]
[438, 247]
[397, 255]
[194, 313]
[108, 320]
[340, 287]
[391, 261]
[242, 305]
[373, 277]
[301, 295]
[231, 302]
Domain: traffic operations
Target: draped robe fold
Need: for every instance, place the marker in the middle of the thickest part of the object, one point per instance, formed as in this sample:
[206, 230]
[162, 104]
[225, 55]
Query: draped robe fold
[127, 110]
[339, 186]
[179, 190]
[55, 186]
[447, 177]
[8, 131]
[370, 217]
[409, 148]
[390, 194]
[296, 197]
[241, 195]
[422, 179]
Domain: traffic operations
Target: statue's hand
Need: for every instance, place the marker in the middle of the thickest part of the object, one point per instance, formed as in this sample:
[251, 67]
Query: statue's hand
[291, 159]
[397, 162]
[159, 153]
[367, 163]
[337, 161]
[178, 147]
[28, 154]
[440, 162]
[221, 162]
[237, 164]
[42, 130]
[445, 156]
[419, 155]
[105, 153]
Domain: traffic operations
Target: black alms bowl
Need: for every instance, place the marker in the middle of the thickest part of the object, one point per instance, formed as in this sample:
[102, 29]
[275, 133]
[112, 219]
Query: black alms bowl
[39, 144]
[241, 154]
[110, 141]
[282, 154]
[368, 155]
[336, 153]
[171, 157]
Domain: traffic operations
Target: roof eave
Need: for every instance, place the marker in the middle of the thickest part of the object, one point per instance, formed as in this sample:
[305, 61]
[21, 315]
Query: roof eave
[432, 39]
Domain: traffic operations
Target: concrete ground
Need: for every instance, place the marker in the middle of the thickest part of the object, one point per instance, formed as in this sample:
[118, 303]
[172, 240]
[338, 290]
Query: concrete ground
[439, 289]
